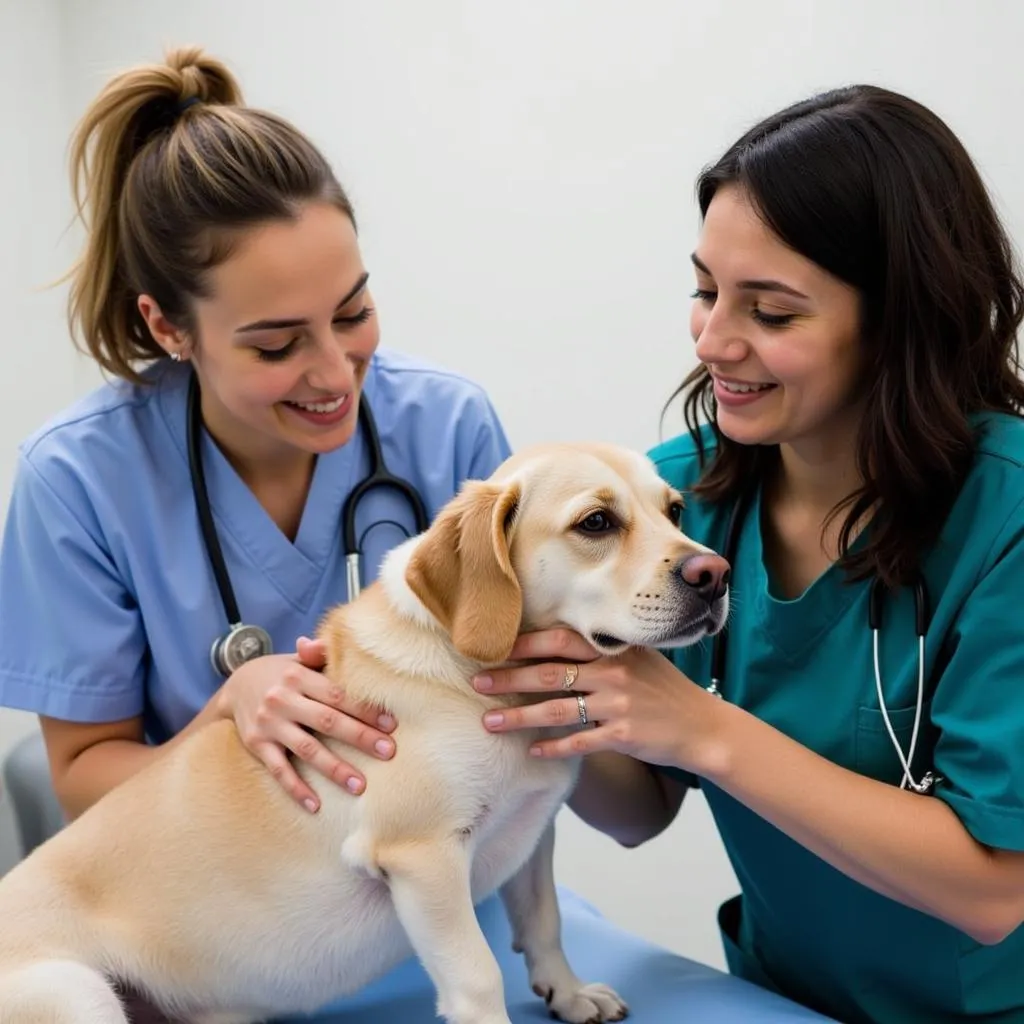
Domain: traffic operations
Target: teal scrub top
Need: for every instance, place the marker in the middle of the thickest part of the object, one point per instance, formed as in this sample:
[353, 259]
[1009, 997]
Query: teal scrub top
[805, 666]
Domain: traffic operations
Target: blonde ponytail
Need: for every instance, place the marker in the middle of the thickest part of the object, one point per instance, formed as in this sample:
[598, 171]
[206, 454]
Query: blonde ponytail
[163, 163]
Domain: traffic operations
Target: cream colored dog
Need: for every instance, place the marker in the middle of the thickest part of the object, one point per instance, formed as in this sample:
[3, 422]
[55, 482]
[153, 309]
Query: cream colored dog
[202, 884]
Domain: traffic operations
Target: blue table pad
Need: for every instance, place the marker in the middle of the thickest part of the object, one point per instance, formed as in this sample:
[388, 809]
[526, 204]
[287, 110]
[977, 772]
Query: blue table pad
[658, 985]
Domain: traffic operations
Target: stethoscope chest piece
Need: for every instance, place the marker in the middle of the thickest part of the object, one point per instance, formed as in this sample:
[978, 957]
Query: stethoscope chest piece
[240, 644]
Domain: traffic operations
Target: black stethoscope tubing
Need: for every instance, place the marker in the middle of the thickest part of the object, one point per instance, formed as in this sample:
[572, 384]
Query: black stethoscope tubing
[379, 476]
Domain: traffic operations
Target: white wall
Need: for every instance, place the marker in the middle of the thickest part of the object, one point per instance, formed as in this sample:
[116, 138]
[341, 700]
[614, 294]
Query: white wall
[37, 364]
[523, 175]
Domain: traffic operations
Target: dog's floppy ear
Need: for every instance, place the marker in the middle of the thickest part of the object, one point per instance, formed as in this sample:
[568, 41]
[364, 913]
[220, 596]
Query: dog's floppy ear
[462, 573]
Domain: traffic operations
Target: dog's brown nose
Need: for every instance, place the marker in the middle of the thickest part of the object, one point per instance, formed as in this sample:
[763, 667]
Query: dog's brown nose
[708, 575]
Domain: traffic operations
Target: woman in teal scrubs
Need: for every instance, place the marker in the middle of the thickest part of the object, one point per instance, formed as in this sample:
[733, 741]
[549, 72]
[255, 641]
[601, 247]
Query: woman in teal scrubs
[855, 317]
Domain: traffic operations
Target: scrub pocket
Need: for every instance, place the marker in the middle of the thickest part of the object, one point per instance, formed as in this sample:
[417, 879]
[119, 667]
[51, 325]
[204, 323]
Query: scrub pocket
[874, 754]
[740, 963]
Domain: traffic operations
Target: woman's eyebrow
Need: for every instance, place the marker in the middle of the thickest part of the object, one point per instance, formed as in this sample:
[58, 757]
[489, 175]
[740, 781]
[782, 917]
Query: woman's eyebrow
[276, 325]
[753, 285]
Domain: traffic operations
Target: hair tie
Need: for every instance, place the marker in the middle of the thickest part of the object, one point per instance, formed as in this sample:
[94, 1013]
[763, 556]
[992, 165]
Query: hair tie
[185, 104]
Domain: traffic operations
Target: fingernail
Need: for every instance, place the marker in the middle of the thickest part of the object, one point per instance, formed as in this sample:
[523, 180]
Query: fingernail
[536, 751]
[355, 785]
[310, 805]
[483, 682]
[384, 747]
[386, 722]
[493, 718]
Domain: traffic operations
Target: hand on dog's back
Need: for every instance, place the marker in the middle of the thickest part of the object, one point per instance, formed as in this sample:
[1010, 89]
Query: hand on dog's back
[276, 699]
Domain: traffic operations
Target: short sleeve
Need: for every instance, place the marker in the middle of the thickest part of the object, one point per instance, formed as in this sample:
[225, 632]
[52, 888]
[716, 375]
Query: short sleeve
[978, 703]
[72, 643]
[488, 445]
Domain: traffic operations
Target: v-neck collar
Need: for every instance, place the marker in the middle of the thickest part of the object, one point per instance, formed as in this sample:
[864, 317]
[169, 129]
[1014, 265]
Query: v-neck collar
[797, 624]
[294, 568]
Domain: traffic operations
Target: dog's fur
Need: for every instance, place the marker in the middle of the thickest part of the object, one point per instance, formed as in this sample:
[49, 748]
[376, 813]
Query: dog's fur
[200, 883]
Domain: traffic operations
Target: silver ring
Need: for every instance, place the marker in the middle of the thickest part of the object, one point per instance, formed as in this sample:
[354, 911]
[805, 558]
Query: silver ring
[582, 705]
[571, 674]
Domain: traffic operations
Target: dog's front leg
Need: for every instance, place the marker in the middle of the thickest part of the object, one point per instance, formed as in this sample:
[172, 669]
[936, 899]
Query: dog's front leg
[531, 901]
[430, 886]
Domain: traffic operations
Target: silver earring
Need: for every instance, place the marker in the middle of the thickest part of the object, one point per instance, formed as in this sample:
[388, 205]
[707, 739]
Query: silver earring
[176, 356]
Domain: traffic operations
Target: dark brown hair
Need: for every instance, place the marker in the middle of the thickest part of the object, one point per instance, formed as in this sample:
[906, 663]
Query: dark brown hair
[167, 168]
[876, 189]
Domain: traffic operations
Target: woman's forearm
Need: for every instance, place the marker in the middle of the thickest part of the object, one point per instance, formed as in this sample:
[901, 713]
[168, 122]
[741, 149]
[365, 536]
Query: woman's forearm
[104, 765]
[98, 769]
[911, 848]
[623, 798]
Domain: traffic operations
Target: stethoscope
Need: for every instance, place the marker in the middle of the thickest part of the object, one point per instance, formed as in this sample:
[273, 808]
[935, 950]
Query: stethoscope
[243, 641]
[876, 600]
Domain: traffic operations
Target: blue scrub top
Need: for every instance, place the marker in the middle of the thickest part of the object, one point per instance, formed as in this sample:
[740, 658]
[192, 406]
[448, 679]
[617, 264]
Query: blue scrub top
[108, 605]
[806, 667]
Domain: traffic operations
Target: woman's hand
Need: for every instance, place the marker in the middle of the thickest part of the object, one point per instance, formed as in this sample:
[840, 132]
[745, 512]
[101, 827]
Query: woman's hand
[275, 699]
[637, 703]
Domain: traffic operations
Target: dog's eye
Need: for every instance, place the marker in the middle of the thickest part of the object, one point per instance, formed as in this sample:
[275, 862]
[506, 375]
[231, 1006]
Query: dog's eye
[675, 513]
[596, 522]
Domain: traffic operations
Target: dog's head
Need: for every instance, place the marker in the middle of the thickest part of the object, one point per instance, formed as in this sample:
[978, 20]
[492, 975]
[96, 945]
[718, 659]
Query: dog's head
[582, 536]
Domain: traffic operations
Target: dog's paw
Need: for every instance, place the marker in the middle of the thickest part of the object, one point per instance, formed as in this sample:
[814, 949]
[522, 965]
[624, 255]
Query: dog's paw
[589, 1004]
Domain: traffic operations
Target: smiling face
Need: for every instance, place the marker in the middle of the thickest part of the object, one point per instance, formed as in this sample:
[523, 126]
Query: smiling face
[779, 335]
[284, 339]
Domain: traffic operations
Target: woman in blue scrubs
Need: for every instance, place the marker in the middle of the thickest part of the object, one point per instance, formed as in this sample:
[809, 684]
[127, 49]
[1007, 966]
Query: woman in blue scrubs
[855, 320]
[219, 244]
